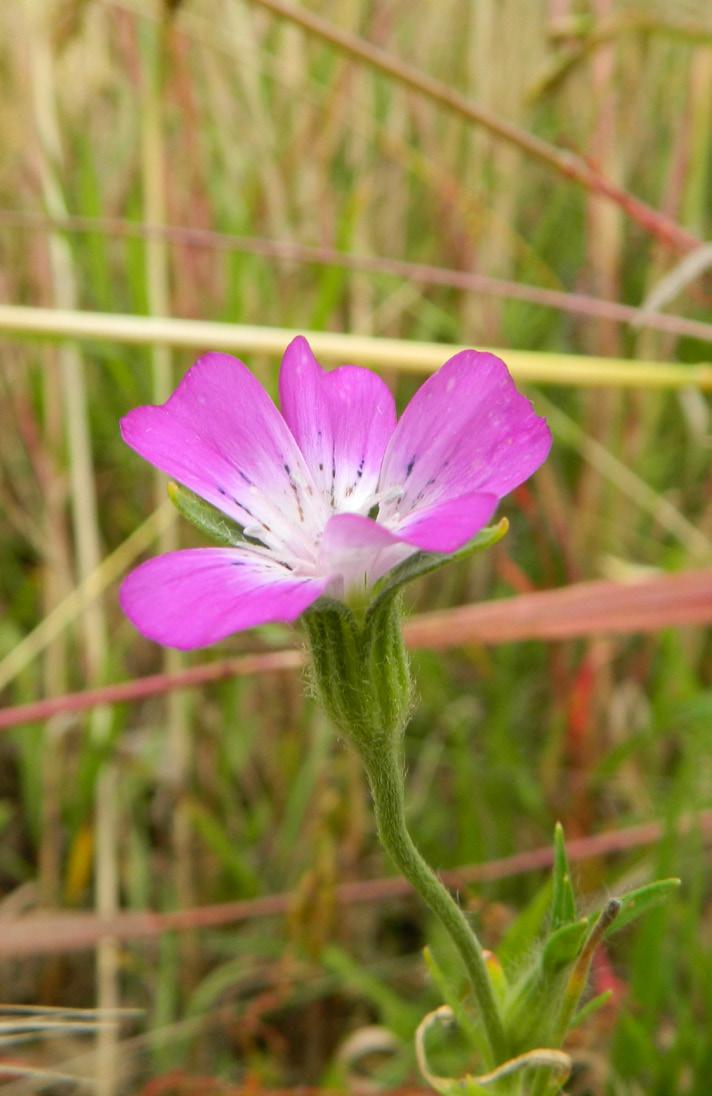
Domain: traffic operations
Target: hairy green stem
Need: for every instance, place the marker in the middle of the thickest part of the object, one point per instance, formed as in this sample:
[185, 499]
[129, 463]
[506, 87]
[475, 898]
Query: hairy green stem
[361, 672]
[384, 769]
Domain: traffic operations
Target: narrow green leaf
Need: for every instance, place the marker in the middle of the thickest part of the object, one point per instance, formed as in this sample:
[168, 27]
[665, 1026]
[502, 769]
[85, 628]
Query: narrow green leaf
[641, 900]
[211, 521]
[563, 902]
[519, 939]
[528, 1012]
[564, 944]
[590, 1008]
[578, 976]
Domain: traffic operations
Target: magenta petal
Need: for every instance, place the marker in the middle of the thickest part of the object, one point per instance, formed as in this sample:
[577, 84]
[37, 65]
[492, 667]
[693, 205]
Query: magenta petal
[220, 435]
[347, 531]
[356, 552]
[467, 430]
[448, 525]
[342, 421]
[198, 596]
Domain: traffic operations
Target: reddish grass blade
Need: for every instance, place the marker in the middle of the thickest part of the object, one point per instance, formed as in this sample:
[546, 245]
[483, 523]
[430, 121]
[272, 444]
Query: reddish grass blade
[423, 273]
[178, 1083]
[569, 164]
[72, 932]
[583, 609]
[152, 685]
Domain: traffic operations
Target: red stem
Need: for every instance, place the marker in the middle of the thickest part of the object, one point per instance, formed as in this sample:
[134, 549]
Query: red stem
[65, 932]
[566, 163]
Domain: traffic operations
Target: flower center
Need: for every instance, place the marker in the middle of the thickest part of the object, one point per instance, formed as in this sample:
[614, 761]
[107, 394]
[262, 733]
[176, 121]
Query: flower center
[382, 498]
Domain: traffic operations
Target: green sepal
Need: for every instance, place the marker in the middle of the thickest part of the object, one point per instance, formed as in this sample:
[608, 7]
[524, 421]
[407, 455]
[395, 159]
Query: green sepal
[564, 944]
[217, 526]
[424, 563]
[360, 669]
[563, 902]
[638, 902]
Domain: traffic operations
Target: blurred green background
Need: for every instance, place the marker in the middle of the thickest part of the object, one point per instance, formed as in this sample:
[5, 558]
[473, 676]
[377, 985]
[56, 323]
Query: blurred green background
[210, 160]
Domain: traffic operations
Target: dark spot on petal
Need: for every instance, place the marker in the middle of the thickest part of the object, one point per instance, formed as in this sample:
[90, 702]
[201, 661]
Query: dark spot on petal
[409, 468]
[297, 498]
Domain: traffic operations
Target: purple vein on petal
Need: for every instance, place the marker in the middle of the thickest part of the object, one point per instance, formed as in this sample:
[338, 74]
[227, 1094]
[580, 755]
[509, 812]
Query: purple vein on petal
[342, 422]
[467, 434]
[221, 436]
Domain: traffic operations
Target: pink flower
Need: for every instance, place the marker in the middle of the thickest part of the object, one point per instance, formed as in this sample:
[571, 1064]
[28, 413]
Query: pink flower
[332, 493]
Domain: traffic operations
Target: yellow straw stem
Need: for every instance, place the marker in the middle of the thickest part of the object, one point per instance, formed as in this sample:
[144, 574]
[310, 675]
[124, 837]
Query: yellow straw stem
[535, 366]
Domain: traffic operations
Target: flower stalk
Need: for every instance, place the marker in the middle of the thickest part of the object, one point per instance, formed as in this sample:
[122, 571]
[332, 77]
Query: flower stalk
[385, 777]
[362, 676]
